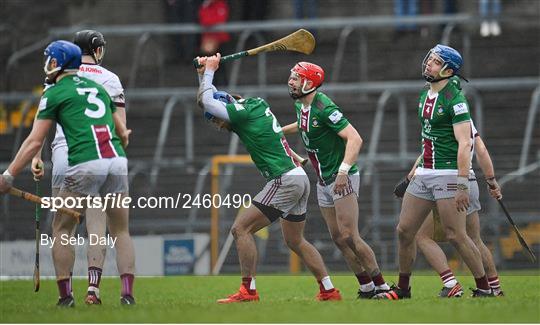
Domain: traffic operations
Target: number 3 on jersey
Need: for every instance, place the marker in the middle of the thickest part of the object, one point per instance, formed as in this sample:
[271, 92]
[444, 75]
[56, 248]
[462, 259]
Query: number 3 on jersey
[92, 99]
[275, 125]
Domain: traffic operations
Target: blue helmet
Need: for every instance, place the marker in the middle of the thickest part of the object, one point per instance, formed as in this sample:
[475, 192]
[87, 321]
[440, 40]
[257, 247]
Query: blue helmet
[66, 54]
[225, 97]
[451, 58]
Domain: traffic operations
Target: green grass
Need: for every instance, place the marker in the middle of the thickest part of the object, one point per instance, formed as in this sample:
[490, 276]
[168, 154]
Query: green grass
[284, 299]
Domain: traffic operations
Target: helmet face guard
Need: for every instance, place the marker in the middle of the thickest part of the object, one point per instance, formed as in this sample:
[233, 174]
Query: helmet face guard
[450, 58]
[216, 122]
[66, 55]
[307, 71]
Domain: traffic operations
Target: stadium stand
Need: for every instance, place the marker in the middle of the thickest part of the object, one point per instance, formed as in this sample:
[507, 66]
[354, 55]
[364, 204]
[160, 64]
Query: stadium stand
[514, 54]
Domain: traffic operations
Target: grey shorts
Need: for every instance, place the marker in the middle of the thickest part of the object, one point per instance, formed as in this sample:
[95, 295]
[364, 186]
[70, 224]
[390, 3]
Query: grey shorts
[474, 196]
[97, 177]
[288, 193]
[438, 187]
[60, 165]
[326, 195]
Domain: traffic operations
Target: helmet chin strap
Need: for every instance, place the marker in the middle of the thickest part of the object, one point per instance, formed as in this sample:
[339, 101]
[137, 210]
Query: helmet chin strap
[303, 91]
[432, 79]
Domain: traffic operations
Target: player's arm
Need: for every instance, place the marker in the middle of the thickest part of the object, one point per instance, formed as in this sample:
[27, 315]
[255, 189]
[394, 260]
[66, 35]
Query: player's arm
[206, 90]
[413, 169]
[462, 133]
[486, 164]
[37, 162]
[121, 130]
[121, 111]
[353, 143]
[116, 92]
[26, 152]
[290, 128]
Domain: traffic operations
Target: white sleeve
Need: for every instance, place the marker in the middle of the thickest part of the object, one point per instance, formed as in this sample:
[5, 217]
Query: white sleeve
[206, 97]
[115, 90]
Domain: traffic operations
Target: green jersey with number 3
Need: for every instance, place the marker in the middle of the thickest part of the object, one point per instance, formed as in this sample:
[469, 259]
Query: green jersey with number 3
[319, 126]
[84, 110]
[438, 112]
[257, 127]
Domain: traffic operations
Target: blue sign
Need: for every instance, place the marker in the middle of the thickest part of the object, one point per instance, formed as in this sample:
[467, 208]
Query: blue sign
[178, 256]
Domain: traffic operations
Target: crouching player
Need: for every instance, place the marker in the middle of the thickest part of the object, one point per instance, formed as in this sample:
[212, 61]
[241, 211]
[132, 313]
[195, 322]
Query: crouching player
[285, 195]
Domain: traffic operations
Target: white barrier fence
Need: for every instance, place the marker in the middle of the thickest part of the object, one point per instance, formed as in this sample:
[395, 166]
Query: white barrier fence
[154, 256]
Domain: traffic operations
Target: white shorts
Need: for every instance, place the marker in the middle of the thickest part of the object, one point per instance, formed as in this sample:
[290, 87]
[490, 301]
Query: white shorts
[60, 165]
[438, 187]
[97, 177]
[326, 195]
[288, 193]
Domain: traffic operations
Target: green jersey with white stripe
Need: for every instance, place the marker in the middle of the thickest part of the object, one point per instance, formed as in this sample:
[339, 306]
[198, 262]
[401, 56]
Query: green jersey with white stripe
[84, 110]
[438, 112]
[255, 124]
[319, 126]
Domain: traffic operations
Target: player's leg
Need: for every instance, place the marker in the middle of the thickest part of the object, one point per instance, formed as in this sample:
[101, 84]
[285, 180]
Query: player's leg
[454, 226]
[248, 222]
[59, 159]
[413, 213]
[416, 205]
[116, 183]
[367, 288]
[473, 230]
[118, 222]
[293, 233]
[96, 229]
[436, 257]
[63, 251]
[347, 219]
[292, 225]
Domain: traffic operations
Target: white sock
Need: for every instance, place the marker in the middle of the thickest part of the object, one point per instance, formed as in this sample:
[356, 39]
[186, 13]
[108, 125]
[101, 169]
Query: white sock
[94, 289]
[252, 284]
[450, 283]
[327, 284]
[367, 287]
[383, 287]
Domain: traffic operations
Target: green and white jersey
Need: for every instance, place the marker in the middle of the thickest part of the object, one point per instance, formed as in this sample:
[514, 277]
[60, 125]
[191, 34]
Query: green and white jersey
[438, 112]
[84, 110]
[255, 124]
[319, 125]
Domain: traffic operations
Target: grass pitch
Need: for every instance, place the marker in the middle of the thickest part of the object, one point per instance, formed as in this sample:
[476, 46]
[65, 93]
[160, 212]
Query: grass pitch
[284, 299]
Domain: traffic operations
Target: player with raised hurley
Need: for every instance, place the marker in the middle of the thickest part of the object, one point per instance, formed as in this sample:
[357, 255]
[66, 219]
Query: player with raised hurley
[333, 144]
[285, 195]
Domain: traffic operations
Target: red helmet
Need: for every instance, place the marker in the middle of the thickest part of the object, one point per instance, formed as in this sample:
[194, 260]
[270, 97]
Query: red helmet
[311, 72]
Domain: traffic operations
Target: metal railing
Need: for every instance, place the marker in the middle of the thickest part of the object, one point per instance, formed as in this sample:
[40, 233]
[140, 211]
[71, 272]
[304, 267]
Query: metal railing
[387, 89]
